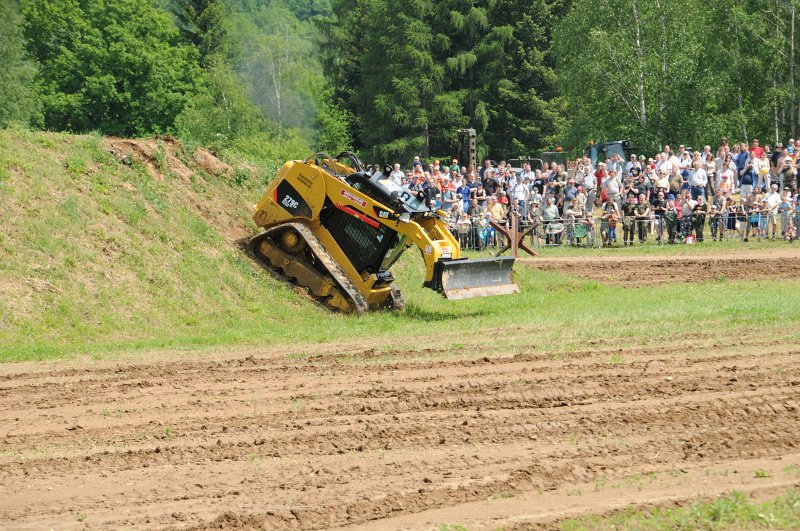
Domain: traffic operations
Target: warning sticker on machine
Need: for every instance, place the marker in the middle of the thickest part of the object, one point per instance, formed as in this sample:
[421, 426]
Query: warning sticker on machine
[357, 200]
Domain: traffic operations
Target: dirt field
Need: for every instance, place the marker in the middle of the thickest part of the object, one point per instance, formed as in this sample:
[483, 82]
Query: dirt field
[350, 435]
[750, 264]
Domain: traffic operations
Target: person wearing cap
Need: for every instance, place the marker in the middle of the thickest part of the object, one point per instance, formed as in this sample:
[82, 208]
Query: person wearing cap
[570, 191]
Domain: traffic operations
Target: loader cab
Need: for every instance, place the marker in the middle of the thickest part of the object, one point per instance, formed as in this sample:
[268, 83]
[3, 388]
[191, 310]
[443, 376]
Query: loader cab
[380, 188]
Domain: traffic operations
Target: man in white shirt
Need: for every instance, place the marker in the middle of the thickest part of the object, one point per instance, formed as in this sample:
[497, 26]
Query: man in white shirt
[666, 165]
[520, 192]
[630, 165]
[615, 164]
[588, 182]
[397, 176]
[613, 187]
[773, 201]
[698, 179]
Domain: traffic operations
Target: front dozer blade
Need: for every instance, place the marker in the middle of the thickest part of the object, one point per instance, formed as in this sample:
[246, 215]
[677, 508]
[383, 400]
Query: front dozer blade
[468, 279]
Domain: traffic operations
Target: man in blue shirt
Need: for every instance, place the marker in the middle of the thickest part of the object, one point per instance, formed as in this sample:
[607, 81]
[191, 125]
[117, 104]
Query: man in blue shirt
[742, 165]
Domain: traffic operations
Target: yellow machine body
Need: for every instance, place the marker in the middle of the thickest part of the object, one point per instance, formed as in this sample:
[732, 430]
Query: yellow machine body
[336, 231]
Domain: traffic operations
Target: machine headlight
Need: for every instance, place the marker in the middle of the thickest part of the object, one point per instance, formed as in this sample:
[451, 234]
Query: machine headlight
[405, 217]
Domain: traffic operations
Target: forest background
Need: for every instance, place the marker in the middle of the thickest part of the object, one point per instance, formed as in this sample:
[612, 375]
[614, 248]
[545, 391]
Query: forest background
[269, 80]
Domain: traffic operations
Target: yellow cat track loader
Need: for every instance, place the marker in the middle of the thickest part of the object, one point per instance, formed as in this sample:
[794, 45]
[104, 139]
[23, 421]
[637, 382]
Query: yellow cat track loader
[336, 229]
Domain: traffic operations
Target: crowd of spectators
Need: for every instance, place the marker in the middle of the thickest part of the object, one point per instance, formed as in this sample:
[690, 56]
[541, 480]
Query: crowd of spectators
[739, 190]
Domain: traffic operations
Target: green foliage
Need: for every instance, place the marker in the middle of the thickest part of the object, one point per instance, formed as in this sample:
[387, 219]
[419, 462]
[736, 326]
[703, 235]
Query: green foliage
[334, 132]
[635, 73]
[17, 100]
[278, 65]
[116, 67]
[221, 112]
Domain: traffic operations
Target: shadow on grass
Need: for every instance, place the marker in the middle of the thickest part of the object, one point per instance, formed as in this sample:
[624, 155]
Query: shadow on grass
[413, 311]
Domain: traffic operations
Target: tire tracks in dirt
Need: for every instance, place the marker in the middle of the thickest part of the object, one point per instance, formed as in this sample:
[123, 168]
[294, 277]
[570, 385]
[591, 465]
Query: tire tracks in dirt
[370, 437]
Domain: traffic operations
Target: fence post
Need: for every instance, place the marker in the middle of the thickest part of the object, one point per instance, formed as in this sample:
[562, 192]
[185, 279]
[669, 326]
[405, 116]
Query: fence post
[514, 233]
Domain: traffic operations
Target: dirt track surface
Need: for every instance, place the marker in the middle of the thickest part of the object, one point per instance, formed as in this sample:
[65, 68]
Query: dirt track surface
[347, 436]
[643, 270]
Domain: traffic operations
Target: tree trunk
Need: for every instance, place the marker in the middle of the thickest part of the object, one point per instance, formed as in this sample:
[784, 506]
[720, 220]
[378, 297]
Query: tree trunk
[276, 85]
[792, 93]
[640, 66]
[664, 71]
[427, 141]
[737, 64]
[775, 106]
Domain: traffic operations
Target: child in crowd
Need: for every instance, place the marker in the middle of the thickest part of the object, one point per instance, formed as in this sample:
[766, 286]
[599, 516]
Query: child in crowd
[754, 217]
[786, 209]
[715, 221]
[610, 217]
[671, 219]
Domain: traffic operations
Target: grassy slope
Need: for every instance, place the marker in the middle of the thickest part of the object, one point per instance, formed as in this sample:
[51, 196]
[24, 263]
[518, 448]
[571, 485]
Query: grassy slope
[97, 256]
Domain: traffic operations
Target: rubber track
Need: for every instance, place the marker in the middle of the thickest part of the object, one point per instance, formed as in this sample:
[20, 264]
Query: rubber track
[332, 268]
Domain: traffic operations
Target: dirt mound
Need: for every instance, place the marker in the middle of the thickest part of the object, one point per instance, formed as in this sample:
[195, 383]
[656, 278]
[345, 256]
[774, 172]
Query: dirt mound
[655, 270]
[211, 164]
[329, 438]
[165, 155]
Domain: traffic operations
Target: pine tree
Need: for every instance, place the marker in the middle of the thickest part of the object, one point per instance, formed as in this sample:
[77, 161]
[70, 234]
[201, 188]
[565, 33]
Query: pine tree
[204, 23]
[520, 84]
[400, 80]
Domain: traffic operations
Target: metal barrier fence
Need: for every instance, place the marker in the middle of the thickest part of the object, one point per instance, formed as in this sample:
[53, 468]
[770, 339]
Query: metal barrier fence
[478, 234]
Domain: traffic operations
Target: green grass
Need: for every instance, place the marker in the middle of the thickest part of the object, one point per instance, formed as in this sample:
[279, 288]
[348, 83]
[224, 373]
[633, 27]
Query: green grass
[97, 257]
[731, 512]
[651, 248]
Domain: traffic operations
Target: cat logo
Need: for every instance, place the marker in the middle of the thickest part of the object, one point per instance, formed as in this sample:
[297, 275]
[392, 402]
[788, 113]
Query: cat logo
[290, 203]
[383, 214]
